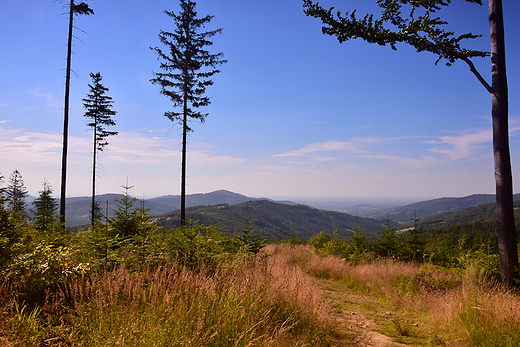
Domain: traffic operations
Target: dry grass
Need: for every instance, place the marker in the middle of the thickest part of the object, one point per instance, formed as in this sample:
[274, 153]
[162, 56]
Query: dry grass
[452, 308]
[265, 300]
[250, 301]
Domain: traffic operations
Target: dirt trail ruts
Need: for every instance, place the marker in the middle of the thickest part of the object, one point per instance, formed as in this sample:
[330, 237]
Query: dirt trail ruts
[359, 330]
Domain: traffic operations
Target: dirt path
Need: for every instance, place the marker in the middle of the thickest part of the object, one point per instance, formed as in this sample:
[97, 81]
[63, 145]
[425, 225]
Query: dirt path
[356, 328]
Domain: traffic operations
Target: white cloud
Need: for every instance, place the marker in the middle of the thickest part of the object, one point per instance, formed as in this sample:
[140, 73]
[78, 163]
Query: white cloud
[49, 98]
[328, 146]
[407, 161]
[461, 146]
[134, 154]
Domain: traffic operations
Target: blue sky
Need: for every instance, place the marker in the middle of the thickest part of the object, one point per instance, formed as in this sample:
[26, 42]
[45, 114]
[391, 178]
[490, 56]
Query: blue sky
[293, 114]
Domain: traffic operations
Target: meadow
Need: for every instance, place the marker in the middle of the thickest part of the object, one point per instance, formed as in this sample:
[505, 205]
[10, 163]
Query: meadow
[127, 282]
[284, 295]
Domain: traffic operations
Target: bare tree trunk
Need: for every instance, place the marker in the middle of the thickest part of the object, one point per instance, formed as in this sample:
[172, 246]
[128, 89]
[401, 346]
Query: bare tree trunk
[504, 182]
[66, 119]
[93, 204]
[183, 169]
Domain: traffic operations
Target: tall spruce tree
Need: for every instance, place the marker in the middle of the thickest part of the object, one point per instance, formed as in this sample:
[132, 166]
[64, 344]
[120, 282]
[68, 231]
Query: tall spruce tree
[45, 205]
[8, 233]
[99, 111]
[424, 31]
[16, 193]
[187, 67]
[74, 9]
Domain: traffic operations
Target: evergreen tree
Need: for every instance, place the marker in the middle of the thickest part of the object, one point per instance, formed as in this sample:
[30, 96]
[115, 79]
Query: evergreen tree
[358, 239]
[187, 70]
[387, 245]
[98, 211]
[415, 242]
[45, 214]
[426, 32]
[249, 239]
[74, 9]
[129, 220]
[8, 235]
[98, 106]
[16, 193]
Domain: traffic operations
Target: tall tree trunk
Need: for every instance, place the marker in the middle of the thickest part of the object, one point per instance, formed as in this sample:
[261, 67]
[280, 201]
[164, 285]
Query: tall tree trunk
[93, 204]
[504, 182]
[66, 119]
[183, 168]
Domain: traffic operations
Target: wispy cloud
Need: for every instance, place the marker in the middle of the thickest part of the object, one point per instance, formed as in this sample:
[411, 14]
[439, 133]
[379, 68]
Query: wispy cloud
[457, 147]
[139, 148]
[18, 146]
[423, 161]
[49, 98]
[320, 147]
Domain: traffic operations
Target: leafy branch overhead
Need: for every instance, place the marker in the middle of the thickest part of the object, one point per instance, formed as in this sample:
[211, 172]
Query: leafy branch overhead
[422, 29]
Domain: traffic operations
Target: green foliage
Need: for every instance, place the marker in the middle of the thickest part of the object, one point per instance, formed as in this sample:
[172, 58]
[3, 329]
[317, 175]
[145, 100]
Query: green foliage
[387, 244]
[482, 331]
[187, 66]
[248, 239]
[319, 241]
[99, 111]
[129, 220]
[8, 236]
[338, 245]
[482, 213]
[42, 269]
[129, 235]
[276, 221]
[421, 29]
[45, 217]
[357, 239]
[15, 194]
[194, 244]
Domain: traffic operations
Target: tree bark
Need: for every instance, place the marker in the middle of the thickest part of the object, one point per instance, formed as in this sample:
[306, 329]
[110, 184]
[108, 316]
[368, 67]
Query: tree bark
[93, 204]
[66, 119]
[507, 245]
[183, 165]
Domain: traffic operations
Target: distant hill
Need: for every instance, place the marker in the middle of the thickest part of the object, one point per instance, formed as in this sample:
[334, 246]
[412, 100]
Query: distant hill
[481, 213]
[78, 208]
[275, 220]
[439, 206]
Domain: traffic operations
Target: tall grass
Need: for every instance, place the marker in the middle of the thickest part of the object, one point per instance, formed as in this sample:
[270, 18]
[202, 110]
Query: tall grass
[259, 300]
[268, 299]
[456, 308]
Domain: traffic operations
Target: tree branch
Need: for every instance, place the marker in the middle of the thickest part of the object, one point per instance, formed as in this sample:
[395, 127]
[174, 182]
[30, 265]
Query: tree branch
[476, 73]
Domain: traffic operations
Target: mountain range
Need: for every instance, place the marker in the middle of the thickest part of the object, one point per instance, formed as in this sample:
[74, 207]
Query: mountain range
[232, 210]
[78, 208]
[440, 206]
[274, 220]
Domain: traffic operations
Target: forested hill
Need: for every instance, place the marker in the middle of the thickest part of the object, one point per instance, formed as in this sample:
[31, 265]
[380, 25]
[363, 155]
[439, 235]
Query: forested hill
[481, 213]
[436, 207]
[275, 220]
[78, 208]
